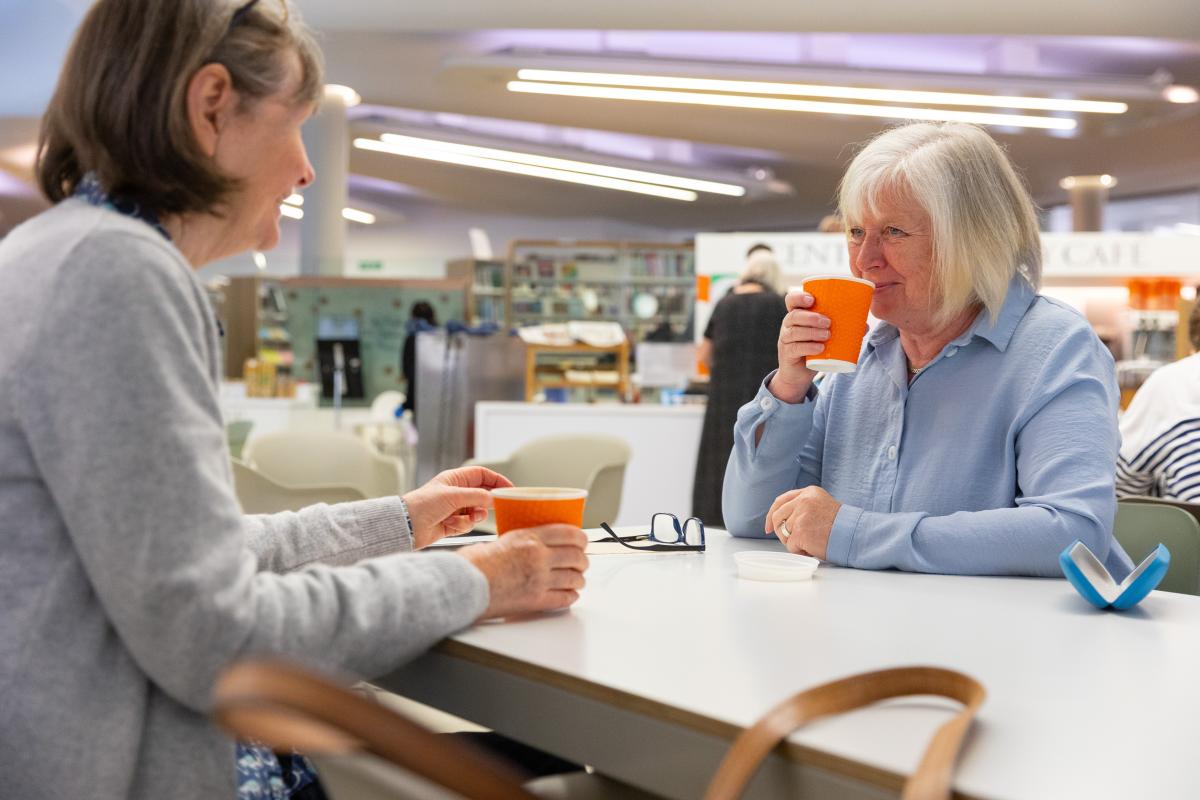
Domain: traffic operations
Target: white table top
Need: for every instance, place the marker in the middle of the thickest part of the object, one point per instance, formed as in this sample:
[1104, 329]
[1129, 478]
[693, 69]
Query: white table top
[1081, 703]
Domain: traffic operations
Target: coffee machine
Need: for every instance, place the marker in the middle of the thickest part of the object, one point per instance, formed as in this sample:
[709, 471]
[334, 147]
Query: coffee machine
[339, 357]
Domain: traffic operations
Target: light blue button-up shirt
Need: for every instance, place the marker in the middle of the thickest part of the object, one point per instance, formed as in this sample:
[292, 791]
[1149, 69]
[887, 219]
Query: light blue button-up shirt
[998, 455]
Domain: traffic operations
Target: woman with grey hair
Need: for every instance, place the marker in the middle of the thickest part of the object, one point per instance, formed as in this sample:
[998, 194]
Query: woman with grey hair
[979, 432]
[761, 269]
[129, 576]
[738, 347]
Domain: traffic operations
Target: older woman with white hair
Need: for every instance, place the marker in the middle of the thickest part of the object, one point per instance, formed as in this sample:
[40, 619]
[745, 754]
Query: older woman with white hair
[979, 432]
[739, 348]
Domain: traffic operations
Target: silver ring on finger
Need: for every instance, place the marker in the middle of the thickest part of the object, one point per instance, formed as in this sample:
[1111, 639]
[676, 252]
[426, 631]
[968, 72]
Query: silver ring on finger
[784, 532]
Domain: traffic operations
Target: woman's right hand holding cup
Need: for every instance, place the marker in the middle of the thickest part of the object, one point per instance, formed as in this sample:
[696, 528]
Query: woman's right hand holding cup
[532, 569]
[803, 334]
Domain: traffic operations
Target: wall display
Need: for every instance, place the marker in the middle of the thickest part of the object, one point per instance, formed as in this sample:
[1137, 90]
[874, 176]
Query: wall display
[376, 310]
[381, 309]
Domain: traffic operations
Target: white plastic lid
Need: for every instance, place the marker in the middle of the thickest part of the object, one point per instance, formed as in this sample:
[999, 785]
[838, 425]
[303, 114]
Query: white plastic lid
[539, 493]
[758, 565]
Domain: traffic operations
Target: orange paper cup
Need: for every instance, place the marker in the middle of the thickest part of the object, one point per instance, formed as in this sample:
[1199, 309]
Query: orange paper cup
[846, 301]
[530, 506]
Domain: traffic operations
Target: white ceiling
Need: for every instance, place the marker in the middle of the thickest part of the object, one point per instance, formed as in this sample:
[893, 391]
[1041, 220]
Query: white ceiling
[436, 65]
[1152, 148]
[1160, 18]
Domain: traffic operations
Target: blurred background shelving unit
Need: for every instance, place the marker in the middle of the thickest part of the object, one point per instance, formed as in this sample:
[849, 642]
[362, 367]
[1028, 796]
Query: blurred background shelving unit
[255, 319]
[487, 289]
[649, 288]
[577, 366]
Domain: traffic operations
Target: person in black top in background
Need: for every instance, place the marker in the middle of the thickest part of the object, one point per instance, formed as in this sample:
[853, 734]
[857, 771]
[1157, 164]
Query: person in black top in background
[739, 349]
[421, 317]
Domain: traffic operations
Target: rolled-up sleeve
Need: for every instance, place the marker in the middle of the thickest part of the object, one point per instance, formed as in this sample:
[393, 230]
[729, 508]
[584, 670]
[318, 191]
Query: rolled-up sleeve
[788, 456]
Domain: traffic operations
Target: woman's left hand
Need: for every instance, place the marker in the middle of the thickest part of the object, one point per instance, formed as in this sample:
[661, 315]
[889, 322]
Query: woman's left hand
[452, 502]
[803, 519]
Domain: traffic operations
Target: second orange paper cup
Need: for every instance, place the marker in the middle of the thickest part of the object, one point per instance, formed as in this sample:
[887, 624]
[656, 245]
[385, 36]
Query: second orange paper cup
[846, 301]
[529, 506]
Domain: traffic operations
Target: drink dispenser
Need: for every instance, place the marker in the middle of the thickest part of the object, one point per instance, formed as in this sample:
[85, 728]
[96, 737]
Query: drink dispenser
[1153, 305]
[339, 354]
[1154, 317]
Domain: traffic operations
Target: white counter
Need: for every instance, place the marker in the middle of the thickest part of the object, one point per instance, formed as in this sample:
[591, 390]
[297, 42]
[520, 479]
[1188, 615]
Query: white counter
[665, 441]
[270, 414]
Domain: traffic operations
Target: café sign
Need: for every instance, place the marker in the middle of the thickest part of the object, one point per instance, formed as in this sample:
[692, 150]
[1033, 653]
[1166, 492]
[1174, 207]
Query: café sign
[1064, 255]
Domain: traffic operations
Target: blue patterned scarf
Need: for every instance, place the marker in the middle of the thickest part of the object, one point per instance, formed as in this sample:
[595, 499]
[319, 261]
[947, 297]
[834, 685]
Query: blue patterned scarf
[91, 190]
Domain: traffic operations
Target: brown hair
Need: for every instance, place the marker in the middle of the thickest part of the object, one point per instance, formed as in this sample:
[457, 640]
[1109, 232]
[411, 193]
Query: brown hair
[120, 107]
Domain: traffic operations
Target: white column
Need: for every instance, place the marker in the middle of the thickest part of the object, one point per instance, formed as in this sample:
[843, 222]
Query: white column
[323, 230]
[1088, 194]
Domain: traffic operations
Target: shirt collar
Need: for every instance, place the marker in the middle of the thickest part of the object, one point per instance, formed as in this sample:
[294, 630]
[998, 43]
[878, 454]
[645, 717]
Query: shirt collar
[999, 333]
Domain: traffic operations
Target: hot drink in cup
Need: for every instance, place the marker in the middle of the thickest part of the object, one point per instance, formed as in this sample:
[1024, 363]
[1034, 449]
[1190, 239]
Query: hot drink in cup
[529, 506]
[846, 301]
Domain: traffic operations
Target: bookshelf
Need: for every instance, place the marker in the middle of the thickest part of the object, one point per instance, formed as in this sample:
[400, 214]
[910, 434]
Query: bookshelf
[644, 286]
[487, 289]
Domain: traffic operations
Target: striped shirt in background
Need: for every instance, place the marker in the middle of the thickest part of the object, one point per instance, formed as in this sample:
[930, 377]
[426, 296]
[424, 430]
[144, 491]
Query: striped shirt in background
[1160, 435]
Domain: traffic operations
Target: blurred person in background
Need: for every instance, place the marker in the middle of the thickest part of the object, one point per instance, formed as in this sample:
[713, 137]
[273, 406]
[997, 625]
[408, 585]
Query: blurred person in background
[1160, 431]
[129, 577]
[422, 317]
[831, 223]
[739, 349]
[978, 434]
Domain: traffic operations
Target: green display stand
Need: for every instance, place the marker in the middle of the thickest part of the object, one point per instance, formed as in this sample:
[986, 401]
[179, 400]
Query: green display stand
[381, 308]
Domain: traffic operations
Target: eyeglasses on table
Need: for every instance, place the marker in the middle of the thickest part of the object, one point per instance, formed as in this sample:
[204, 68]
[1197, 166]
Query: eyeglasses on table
[666, 535]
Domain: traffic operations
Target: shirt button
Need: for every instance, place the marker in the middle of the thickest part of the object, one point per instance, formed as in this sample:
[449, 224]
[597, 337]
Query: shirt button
[767, 404]
[892, 453]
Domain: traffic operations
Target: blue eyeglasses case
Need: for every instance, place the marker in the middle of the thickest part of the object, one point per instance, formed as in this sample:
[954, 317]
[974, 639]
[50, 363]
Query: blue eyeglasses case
[1092, 580]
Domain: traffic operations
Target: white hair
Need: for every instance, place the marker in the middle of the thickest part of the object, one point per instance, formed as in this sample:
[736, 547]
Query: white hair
[761, 267]
[984, 225]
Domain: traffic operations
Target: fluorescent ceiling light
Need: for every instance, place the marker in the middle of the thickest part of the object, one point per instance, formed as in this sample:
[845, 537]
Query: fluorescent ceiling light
[447, 157]
[350, 97]
[354, 215]
[733, 190]
[23, 156]
[1088, 182]
[781, 104]
[813, 90]
[294, 199]
[1181, 94]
